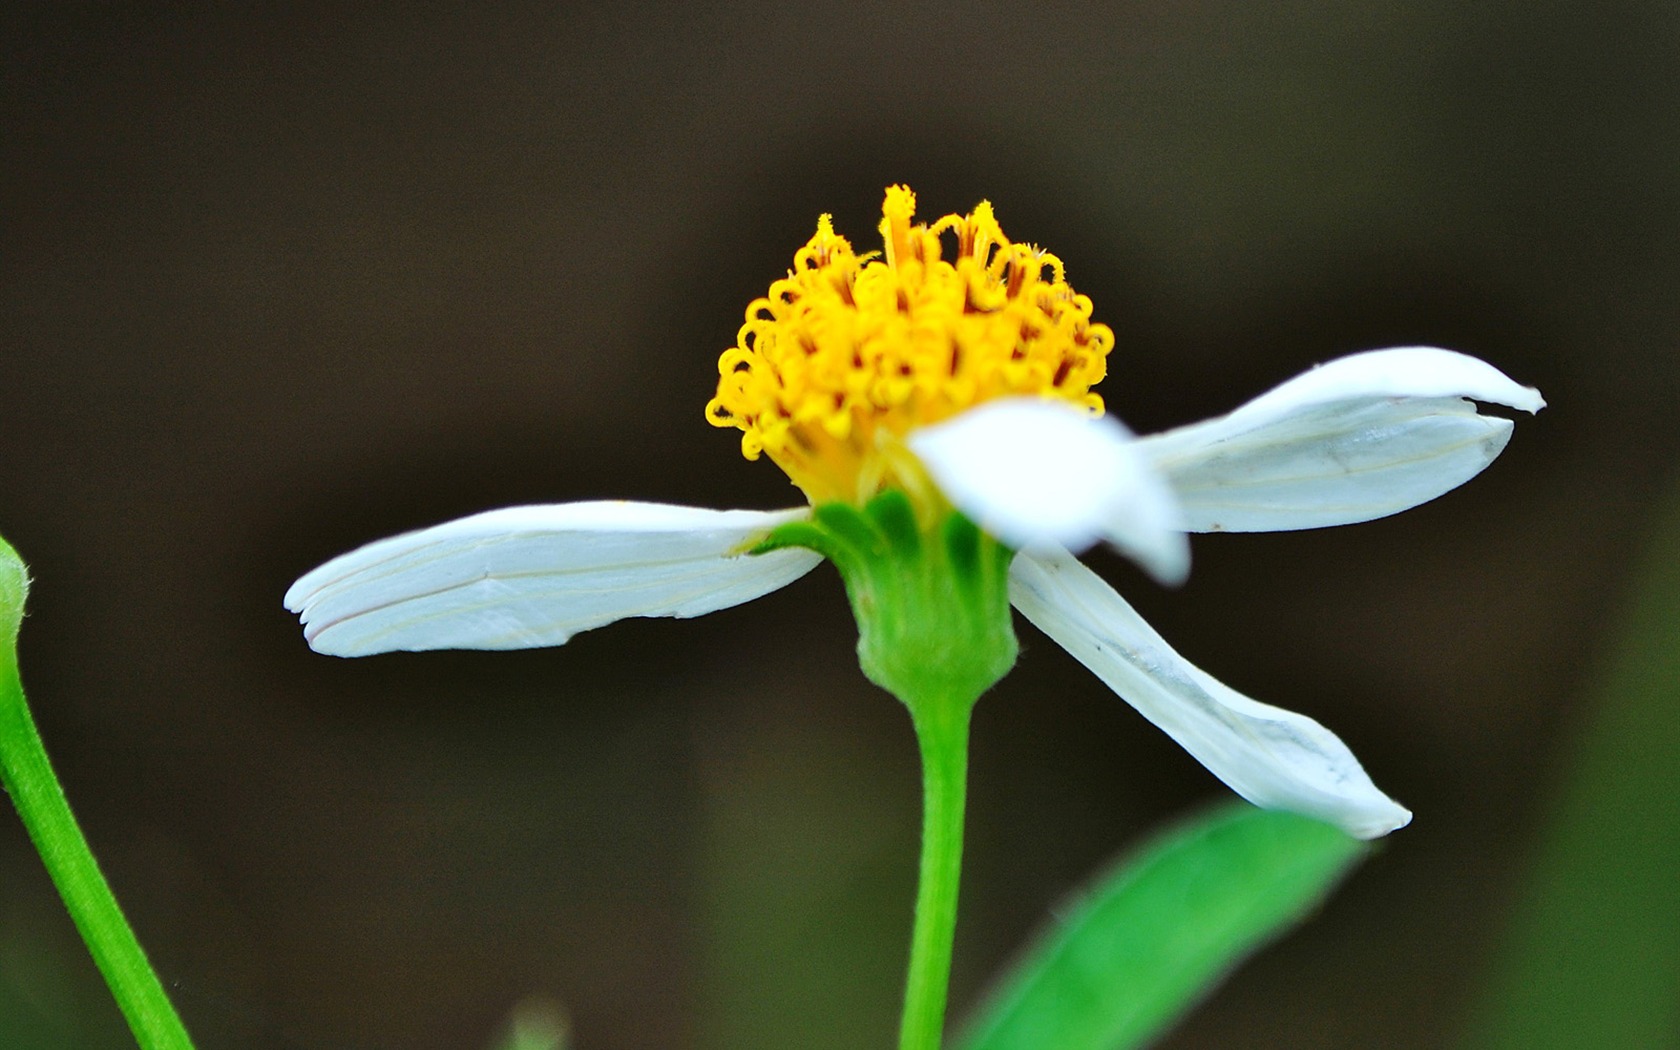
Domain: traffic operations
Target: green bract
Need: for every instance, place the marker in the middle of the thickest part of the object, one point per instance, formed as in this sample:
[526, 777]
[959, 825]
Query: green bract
[931, 598]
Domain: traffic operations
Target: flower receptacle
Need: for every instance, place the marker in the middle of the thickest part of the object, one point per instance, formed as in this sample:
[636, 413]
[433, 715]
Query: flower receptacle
[929, 591]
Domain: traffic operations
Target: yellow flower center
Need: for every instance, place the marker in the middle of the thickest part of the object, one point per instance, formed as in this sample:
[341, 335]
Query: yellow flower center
[849, 353]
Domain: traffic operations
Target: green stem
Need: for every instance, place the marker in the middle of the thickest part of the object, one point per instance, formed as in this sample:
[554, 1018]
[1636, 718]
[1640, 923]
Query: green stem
[40, 801]
[930, 592]
[943, 736]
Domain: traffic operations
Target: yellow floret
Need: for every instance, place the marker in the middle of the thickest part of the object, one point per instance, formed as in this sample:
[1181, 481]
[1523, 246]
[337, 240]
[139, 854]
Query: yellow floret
[849, 353]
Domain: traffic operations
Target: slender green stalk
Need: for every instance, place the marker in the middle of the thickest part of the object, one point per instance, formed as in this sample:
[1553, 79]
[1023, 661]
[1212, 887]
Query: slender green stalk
[944, 745]
[930, 593]
[40, 801]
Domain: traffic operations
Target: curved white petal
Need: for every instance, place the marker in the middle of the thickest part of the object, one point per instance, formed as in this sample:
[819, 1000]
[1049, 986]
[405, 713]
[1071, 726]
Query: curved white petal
[1038, 473]
[1272, 757]
[525, 577]
[1361, 437]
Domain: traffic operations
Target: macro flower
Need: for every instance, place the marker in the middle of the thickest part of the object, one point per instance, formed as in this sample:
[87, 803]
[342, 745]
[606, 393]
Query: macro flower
[945, 382]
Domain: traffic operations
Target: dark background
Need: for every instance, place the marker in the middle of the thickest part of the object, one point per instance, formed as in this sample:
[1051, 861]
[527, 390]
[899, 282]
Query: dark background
[274, 286]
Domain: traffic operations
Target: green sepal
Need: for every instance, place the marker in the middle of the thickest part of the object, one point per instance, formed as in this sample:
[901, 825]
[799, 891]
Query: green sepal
[930, 593]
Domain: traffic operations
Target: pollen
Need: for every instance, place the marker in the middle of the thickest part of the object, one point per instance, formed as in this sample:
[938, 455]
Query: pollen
[849, 353]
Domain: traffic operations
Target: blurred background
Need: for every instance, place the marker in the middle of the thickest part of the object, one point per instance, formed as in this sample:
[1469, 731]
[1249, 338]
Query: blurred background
[277, 285]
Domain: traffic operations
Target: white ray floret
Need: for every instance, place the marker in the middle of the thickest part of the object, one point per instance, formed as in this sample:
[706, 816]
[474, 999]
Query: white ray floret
[1038, 473]
[1272, 757]
[1362, 437]
[526, 577]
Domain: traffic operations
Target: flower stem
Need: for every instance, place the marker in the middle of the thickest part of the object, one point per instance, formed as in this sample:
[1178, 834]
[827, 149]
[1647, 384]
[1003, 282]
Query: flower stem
[930, 592]
[28, 776]
[943, 736]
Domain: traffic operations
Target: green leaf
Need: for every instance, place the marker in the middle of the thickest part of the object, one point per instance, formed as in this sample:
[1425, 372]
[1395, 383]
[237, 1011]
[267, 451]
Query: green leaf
[1592, 954]
[1147, 939]
[537, 1024]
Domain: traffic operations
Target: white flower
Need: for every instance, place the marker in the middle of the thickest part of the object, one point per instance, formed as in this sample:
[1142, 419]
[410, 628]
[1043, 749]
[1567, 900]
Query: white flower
[1359, 438]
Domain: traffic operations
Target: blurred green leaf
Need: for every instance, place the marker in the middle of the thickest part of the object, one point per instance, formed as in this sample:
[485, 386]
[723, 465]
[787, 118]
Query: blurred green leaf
[1592, 955]
[536, 1024]
[1152, 935]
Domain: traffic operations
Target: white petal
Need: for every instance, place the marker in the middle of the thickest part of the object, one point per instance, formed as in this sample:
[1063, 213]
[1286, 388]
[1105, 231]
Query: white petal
[1359, 438]
[1272, 757]
[1039, 473]
[525, 577]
